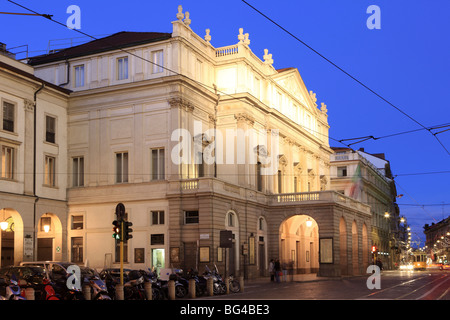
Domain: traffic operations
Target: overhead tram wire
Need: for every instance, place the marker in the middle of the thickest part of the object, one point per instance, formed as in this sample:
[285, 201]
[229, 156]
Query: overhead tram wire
[49, 17]
[348, 74]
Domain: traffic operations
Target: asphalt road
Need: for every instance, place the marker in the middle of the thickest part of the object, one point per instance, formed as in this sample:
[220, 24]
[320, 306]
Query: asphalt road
[391, 285]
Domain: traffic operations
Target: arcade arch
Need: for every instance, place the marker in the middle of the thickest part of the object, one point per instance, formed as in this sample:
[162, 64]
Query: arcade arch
[299, 244]
[11, 240]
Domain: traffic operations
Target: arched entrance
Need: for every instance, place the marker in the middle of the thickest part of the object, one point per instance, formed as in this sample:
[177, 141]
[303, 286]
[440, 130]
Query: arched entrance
[343, 246]
[49, 237]
[232, 258]
[11, 240]
[299, 244]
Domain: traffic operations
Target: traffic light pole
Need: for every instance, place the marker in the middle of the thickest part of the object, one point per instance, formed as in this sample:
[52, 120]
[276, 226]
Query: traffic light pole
[121, 252]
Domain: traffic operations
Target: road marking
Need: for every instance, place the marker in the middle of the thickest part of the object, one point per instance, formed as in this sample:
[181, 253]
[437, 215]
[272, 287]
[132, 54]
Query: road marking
[434, 288]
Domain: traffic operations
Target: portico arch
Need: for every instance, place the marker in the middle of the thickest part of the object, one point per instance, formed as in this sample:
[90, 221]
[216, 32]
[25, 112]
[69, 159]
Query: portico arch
[11, 240]
[49, 237]
[299, 245]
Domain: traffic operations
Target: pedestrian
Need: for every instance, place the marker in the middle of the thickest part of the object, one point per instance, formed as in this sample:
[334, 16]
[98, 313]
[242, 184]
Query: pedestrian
[277, 270]
[272, 270]
[284, 268]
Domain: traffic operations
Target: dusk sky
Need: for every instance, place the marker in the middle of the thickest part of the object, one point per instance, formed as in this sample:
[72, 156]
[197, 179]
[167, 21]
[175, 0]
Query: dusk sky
[405, 64]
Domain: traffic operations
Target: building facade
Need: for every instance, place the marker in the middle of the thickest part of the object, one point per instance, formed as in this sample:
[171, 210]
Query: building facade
[33, 140]
[196, 140]
[437, 241]
[368, 178]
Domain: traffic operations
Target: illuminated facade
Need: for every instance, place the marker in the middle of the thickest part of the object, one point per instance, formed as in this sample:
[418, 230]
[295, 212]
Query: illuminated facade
[139, 120]
[377, 189]
[33, 143]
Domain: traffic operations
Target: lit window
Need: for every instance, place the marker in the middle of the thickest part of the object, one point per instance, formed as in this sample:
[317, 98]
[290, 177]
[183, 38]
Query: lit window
[7, 168]
[50, 165]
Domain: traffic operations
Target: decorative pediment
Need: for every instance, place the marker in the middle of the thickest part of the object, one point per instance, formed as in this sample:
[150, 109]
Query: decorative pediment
[291, 80]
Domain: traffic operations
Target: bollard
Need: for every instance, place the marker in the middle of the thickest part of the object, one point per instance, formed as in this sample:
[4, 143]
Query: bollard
[119, 292]
[148, 290]
[192, 293]
[29, 293]
[241, 283]
[210, 287]
[171, 288]
[87, 292]
[227, 283]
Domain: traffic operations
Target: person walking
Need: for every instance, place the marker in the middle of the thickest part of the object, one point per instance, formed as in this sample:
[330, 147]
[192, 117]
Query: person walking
[277, 270]
[272, 270]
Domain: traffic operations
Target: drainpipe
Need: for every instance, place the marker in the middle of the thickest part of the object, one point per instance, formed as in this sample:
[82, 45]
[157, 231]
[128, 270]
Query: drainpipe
[68, 74]
[34, 170]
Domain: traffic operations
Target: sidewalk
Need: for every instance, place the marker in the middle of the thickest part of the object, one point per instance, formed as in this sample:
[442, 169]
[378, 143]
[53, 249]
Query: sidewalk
[307, 277]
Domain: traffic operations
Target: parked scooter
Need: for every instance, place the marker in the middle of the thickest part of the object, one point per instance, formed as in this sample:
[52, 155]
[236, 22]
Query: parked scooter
[219, 287]
[13, 291]
[49, 292]
[134, 288]
[98, 289]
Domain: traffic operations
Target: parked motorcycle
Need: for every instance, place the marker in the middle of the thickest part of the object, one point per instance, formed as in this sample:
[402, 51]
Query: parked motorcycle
[13, 291]
[49, 292]
[98, 288]
[134, 289]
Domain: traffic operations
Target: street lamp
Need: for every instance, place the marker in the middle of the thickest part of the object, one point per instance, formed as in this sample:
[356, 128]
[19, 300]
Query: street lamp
[4, 223]
[308, 223]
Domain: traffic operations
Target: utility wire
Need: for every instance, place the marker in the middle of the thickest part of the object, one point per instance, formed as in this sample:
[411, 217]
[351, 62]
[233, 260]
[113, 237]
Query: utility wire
[346, 73]
[49, 17]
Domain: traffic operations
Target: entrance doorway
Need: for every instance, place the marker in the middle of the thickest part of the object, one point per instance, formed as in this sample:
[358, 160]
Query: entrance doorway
[45, 249]
[158, 260]
[299, 244]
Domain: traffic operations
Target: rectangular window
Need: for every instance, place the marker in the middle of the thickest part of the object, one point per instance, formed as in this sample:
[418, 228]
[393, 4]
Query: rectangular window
[157, 164]
[341, 171]
[122, 68]
[77, 223]
[157, 217]
[8, 116]
[79, 76]
[7, 168]
[78, 171]
[122, 167]
[50, 166]
[77, 250]
[191, 217]
[156, 239]
[50, 129]
[158, 61]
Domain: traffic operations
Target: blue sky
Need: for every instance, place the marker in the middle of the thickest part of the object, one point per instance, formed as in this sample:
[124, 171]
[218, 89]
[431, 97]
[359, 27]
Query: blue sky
[406, 62]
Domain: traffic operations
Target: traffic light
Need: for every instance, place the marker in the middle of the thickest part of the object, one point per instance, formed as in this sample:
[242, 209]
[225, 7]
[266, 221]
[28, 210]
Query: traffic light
[116, 230]
[127, 230]
[374, 249]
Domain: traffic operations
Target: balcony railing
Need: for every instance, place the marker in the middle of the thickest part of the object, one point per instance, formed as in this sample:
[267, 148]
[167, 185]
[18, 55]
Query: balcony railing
[219, 186]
